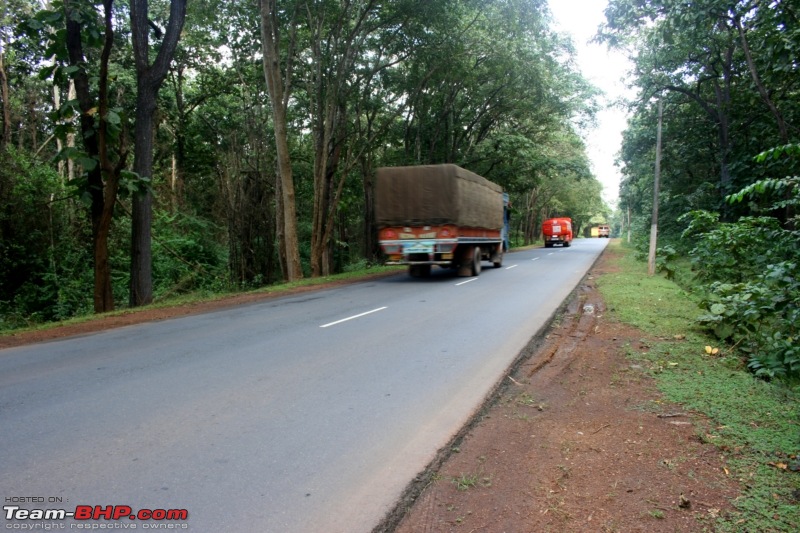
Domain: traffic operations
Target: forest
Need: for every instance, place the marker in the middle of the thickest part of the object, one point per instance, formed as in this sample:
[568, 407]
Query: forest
[154, 148]
[726, 76]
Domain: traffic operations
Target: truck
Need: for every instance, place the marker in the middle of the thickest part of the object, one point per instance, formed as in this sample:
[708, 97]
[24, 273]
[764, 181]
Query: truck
[557, 231]
[440, 215]
[603, 231]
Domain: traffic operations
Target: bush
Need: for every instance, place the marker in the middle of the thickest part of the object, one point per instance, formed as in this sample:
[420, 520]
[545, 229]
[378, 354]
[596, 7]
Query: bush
[186, 255]
[42, 263]
[762, 317]
[752, 267]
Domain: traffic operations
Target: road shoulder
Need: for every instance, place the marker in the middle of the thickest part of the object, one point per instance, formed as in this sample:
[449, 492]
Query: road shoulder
[578, 440]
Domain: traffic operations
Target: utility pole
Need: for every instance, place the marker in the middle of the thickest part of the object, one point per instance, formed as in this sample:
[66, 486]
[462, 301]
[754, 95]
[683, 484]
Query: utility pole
[651, 259]
[629, 224]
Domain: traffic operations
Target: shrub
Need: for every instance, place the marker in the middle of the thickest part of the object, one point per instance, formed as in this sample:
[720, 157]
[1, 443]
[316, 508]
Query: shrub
[753, 268]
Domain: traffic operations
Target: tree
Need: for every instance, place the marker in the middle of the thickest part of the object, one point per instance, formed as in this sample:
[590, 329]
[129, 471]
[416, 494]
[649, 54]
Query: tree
[700, 56]
[338, 32]
[279, 83]
[5, 93]
[352, 46]
[148, 82]
[99, 129]
[20, 93]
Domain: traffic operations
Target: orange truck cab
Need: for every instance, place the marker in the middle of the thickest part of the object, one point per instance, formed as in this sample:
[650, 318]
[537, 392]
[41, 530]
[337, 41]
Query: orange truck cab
[557, 231]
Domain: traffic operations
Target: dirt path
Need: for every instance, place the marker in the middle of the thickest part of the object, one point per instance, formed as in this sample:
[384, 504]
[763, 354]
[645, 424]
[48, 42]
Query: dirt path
[579, 440]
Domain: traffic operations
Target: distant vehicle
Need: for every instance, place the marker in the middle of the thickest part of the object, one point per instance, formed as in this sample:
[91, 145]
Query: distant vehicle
[557, 231]
[603, 231]
[440, 215]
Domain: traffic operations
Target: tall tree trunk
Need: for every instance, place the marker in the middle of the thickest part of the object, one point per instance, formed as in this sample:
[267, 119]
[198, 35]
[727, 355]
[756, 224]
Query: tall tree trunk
[95, 145]
[179, 155]
[751, 65]
[71, 95]
[326, 190]
[148, 82]
[62, 168]
[5, 95]
[280, 227]
[141, 284]
[723, 96]
[279, 91]
[371, 247]
[103, 294]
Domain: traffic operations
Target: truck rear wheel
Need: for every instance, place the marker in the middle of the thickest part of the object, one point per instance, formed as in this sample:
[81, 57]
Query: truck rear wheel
[497, 259]
[476, 261]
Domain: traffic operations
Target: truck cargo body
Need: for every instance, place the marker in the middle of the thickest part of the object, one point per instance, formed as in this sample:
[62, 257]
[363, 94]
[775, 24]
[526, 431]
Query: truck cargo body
[440, 215]
[557, 231]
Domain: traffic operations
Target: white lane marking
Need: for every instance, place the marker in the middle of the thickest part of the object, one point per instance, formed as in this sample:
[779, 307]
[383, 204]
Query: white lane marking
[534, 259]
[352, 317]
[468, 281]
[551, 253]
[512, 266]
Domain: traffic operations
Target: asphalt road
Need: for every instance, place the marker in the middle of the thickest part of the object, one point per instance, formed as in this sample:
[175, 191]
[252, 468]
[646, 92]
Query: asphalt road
[299, 414]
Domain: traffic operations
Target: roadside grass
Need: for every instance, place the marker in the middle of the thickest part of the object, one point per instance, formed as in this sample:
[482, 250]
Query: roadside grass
[468, 481]
[755, 423]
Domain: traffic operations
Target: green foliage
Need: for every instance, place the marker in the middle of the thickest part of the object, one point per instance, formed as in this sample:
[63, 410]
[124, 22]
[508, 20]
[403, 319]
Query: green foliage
[753, 268]
[762, 317]
[692, 57]
[465, 481]
[665, 257]
[752, 422]
[735, 251]
[45, 256]
[359, 265]
[188, 256]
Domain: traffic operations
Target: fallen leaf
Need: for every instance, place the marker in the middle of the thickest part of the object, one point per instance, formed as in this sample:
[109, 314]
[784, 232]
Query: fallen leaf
[782, 466]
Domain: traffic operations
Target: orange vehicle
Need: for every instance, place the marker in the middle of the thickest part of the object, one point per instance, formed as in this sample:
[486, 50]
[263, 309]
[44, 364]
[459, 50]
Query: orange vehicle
[603, 231]
[557, 231]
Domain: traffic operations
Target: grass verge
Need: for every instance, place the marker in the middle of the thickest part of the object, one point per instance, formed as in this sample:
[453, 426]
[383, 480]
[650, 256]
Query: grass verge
[755, 423]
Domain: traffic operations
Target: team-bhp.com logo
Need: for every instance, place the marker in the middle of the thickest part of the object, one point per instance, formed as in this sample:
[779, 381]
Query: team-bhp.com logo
[89, 514]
